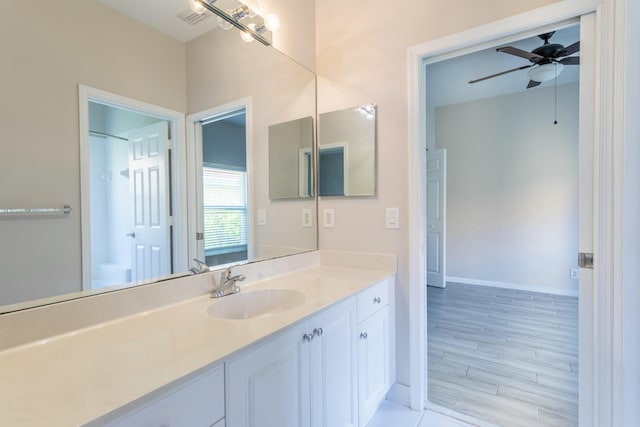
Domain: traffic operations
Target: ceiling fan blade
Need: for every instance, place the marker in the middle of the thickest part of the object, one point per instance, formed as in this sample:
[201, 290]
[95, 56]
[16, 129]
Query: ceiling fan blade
[500, 74]
[570, 50]
[532, 83]
[571, 60]
[533, 57]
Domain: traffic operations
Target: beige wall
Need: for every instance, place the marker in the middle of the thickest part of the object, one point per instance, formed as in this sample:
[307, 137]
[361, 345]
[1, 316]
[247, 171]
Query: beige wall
[47, 50]
[512, 189]
[361, 58]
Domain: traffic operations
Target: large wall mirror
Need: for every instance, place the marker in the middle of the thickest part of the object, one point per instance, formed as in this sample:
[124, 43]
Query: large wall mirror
[153, 78]
[347, 152]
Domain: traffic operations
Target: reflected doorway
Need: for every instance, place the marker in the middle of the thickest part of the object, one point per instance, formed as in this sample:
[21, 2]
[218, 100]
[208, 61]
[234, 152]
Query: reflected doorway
[129, 192]
[223, 198]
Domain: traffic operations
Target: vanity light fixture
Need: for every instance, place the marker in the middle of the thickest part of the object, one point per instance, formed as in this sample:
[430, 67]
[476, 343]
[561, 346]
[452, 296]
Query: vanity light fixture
[237, 17]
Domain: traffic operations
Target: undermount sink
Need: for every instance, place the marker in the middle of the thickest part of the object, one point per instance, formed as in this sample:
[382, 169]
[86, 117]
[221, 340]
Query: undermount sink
[247, 305]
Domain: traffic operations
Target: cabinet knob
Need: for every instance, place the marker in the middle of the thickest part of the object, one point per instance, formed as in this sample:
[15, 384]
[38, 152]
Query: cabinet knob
[377, 300]
[363, 335]
[318, 332]
[307, 337]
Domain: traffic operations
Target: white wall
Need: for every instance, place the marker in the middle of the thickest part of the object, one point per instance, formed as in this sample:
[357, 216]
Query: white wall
[512, 189]
[48, 49]
[361, 58]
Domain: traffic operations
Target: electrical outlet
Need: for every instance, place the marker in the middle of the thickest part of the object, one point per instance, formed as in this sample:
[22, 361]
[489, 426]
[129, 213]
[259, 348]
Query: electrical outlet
[574, 273]
[328, 218]
[307, 220]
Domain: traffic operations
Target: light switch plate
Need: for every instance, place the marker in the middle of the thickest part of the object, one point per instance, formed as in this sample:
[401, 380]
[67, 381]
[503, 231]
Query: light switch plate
[328, 218]
[262, 217]
[392, 218]
[307, 219]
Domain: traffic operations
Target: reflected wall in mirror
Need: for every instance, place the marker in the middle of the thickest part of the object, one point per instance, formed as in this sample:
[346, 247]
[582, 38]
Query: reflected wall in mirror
[185, 69]
[347, 152]
[291, 159]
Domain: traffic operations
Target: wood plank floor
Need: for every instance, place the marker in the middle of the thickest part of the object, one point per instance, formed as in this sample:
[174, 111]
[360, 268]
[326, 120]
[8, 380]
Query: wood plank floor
[504, 356]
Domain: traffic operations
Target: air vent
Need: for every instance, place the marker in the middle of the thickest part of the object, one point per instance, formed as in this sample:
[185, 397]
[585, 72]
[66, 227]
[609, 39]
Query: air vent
[192, 18]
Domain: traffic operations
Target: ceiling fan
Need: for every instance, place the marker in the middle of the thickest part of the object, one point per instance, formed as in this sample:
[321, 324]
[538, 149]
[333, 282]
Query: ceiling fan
[547, 61]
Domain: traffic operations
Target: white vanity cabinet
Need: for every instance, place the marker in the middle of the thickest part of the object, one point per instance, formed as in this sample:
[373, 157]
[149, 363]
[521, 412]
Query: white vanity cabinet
[303, 377]
[197, 403]
[375, 363]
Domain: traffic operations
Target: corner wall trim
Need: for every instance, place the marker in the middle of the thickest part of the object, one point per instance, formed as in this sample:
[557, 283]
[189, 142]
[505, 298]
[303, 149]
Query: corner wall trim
[517, 286]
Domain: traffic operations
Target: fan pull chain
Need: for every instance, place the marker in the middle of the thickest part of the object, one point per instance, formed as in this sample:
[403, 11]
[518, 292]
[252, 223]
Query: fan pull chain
[555, 97]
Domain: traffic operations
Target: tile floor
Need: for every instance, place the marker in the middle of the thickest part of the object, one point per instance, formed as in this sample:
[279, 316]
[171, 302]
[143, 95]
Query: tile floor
[504, 356]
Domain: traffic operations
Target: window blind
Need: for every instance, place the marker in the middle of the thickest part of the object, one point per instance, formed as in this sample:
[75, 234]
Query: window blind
[225, 208]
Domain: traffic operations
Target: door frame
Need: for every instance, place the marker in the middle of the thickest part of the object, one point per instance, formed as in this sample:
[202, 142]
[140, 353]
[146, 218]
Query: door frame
[178, 184]
[607, 390]
[194, 158]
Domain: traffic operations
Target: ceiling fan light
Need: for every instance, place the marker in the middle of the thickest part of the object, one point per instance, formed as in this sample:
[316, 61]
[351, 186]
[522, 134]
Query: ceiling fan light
[545, 72]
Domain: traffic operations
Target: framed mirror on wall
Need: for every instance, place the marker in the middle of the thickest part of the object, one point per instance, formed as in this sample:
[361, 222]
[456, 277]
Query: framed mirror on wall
[147, 57]
[347, 152]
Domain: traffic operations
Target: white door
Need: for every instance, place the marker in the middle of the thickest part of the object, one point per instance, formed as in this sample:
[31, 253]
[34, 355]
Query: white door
[148, 192]
[436, 208]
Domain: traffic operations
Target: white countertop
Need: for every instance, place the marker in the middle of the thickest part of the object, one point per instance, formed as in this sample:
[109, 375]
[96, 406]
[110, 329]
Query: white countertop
[77, 377]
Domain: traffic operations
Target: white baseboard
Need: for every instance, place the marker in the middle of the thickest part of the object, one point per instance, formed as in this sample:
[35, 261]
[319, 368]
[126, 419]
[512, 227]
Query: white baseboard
[400, 394]
[518, 286]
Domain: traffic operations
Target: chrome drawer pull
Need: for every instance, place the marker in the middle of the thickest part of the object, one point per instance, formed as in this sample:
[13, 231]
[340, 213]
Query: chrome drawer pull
[377, 300]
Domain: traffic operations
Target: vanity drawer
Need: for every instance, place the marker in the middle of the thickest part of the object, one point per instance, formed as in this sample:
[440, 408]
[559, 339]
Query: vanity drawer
[373, 299]
[200, 402]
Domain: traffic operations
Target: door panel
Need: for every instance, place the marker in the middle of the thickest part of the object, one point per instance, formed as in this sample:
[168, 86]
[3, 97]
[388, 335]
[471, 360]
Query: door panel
[436, 208]
[148, 166]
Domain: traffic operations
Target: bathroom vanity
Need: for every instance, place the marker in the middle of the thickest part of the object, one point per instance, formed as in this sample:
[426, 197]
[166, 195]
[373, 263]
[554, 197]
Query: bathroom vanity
[321, 355]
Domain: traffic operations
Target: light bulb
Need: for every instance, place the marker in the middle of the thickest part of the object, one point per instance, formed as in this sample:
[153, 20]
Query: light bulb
[246, 36]
[197, 7]
[272, 22]
[224, 24]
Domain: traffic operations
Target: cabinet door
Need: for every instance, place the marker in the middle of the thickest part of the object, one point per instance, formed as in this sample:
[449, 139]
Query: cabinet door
[269, 386]
[333, 368]
[373, 363]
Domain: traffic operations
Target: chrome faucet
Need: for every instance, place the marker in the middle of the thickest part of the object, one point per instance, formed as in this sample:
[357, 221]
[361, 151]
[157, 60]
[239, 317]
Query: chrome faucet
[201, 268]
[228, 284]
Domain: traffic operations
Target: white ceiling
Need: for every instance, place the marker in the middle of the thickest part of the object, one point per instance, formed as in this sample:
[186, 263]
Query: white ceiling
[447, 81]
[163, 15]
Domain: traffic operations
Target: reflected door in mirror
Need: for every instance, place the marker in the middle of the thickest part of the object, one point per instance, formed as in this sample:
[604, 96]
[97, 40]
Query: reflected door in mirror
[129, 192]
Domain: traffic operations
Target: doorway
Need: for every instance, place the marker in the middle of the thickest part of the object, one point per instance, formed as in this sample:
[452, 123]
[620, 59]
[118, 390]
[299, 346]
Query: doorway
[223, 178]
[470, 41]
[131, 205]
[129, 169]
[503, 335]
[220, 166]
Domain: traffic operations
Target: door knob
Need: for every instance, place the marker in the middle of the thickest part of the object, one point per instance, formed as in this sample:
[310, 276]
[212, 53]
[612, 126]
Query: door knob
[132, 235]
